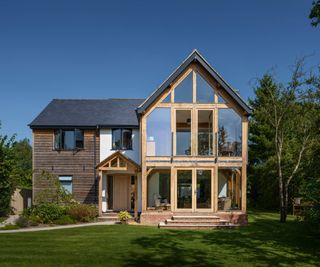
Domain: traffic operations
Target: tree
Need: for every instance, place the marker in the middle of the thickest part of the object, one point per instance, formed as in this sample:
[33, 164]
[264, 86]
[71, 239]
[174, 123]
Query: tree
[7, 166]
[23, 157]
[288, 116]
[315, 13]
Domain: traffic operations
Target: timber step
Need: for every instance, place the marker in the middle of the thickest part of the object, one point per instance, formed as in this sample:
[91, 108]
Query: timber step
[163, 225]
[196, 222]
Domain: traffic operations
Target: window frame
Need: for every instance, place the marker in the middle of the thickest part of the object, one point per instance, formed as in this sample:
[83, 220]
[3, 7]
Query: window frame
[121, 139]
[60, 146]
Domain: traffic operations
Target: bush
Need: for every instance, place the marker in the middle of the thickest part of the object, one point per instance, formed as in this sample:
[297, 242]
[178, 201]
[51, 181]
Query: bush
[83, 212]
[124, 216]
[63, 220]
[46, 212]
[22, 222]
[10, 227]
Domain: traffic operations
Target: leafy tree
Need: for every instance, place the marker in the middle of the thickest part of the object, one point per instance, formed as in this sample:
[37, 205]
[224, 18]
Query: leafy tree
[315, 13]
[23, 156]
[283, 127]
[7, 167]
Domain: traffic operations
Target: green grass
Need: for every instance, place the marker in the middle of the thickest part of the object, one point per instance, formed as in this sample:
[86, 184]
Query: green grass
[265, 242]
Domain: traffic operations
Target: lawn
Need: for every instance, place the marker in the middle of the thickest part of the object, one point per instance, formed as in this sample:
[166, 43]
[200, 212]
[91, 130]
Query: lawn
[265, 242]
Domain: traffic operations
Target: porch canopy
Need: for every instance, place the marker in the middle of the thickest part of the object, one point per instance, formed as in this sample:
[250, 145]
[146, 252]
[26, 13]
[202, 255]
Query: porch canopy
[118, 163]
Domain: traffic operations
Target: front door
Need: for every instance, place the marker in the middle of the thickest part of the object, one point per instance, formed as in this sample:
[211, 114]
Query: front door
[121, 192]
[194, 189]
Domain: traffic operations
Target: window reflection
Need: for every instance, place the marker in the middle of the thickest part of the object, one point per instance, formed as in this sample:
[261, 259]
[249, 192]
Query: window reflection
[183, 132]
[159, 132]
[205, 93]
[230, 133]
[205, 140]
[183, 92]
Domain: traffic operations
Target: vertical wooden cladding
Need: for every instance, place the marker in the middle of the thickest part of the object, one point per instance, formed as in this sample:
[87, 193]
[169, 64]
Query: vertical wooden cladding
[79, 164]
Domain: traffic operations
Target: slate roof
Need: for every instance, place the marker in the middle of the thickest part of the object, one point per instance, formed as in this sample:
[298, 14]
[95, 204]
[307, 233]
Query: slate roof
[195, 56]
[88, 113]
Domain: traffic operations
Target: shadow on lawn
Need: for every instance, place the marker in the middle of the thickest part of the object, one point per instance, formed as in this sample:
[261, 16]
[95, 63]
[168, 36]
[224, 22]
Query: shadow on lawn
[263, 242]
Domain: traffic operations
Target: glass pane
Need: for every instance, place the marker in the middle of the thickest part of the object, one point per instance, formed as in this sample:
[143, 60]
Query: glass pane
[167, 99]
[159, 189]
[110, 192]
[221, 99]
[126, 139]
[184, 189]
[183, 132]
[205, 140]
[159, 132]
[229, 189]
[205, 93]
[116, 139]
[183, 92]
[230, 133]
[68, 139]
[203, 189]
[66, 183]
[79, 138]
[57, 139]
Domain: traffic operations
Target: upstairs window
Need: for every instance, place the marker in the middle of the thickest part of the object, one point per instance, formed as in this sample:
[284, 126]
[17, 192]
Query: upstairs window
[121, 139]
[68, 139]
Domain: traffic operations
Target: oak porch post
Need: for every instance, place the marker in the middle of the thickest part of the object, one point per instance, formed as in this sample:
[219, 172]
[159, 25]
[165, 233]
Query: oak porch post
[100, 193]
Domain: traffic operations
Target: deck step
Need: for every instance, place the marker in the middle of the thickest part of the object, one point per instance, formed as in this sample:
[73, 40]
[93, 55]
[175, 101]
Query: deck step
[193, 221]
[163, 225]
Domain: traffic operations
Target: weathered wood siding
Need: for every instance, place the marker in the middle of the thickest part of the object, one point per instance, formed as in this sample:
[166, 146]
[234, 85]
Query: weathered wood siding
[78, 164]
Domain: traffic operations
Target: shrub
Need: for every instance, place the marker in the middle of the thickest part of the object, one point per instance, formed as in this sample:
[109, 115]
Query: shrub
[124, 216]
[83, 212]
[22, 222]
[63, 220]
[10, 227]
[47, 212]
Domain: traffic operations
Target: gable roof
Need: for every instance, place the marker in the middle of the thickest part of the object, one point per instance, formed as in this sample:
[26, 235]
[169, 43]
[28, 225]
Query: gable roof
[194, 57]
[88, 113]
[118, 154]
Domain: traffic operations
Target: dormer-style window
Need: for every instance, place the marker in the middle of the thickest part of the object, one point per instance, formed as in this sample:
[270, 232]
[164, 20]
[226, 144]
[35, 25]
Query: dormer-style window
[121, 139]
[68, 139]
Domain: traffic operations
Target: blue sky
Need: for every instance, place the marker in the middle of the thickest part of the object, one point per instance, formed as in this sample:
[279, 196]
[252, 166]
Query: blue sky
[125, 49]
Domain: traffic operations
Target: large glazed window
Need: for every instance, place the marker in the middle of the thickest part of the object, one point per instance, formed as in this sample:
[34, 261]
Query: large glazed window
[230, 134]
[184, 189]
[205, 93]
[205, 140]
[159, 189]
[159, 132]
[183, 92]
[183, 132]
[229, 189]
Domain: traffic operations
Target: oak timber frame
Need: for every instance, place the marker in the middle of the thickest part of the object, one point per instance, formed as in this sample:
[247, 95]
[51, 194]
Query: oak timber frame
[194, 161]
[118, 164]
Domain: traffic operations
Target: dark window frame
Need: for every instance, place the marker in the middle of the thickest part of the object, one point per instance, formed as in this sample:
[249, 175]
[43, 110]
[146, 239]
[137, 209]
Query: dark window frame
[59, 144]
[121, 146]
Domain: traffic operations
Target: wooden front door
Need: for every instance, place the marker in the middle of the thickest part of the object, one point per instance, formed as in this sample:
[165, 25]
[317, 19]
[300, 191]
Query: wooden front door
[121, 192]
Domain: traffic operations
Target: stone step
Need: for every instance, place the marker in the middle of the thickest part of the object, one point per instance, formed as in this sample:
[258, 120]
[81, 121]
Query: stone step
[195, 217]
[163, 225]
[193, 221]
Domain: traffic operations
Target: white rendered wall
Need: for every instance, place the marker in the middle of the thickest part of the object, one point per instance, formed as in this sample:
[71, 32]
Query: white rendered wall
[106, 145]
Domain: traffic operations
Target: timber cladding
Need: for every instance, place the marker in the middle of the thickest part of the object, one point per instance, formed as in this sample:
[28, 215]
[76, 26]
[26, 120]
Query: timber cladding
[80, 164]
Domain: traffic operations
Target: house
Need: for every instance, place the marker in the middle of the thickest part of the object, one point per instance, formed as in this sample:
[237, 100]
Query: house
[183, 150]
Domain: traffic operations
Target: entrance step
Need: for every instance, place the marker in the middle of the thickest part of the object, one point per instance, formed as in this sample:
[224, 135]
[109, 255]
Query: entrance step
[196, 222]
[111, 216]
[164, 225]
